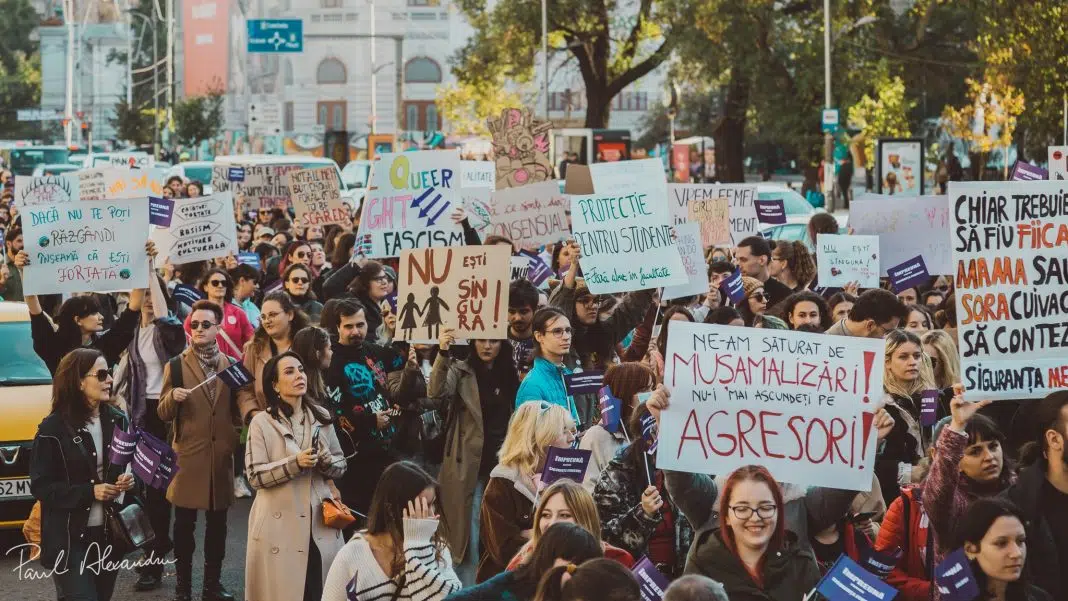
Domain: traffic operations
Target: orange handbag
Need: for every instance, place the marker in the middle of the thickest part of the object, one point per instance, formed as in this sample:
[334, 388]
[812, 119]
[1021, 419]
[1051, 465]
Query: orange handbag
[336, 514]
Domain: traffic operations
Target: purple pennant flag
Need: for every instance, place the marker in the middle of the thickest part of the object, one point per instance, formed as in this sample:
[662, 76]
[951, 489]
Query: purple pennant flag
[145, 463]
[954, 578]
[160, 211]
[910, 274]
[732, 287]
[537, 271]
[122, 447]
[236, 376]
[878, 562]
[929, 407]
[771, 212]
[168, 468]
[584, 382]
[1023, 171]
[651, 582]
[611, 409]
[565, 463]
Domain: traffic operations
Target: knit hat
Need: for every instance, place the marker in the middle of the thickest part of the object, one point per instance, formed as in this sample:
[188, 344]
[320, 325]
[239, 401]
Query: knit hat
[390, 272]
[750, 285]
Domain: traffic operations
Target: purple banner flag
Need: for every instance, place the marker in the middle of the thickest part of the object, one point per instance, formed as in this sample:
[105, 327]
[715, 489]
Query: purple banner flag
[771, 212]
[186, 294]
[122, 447]
[847, 581]
[878, 562]
[732, 287]
[611, 409]
[1023, 171]
[160, 211]
[651, 582]
[910, 274]
[929, 407]
[954, 578]
[584, 382]
[565, 463]
[538, 271]
[145, 463]
[236, 376]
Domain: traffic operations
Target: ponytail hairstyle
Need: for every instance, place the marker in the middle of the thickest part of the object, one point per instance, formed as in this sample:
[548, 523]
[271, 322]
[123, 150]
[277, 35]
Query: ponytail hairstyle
[597, 579]
[563, 540]
[798, 260]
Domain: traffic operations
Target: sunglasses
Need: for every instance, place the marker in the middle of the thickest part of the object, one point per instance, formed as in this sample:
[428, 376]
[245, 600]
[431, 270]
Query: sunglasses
[218, 283]
[201, 325]
[300, 254]
[299, 280]
[761, 297]
[101, 375]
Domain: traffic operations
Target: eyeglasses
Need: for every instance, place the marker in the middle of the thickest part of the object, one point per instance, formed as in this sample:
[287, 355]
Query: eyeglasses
[201, 325]
[218, 283]
[269, 316]
[265, 211]
[560, 332]
[101, 375]
[761, 297]
[744, 512]
[298, 280]
[382, 279]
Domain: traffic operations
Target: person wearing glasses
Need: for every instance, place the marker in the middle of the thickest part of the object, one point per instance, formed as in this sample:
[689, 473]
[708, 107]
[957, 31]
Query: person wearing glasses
[756, 300]
[71, 475]
[202, 411]
[297, 282]
[279, 323]
[235, 330]
[296, 252]
[367, 282]
[552, 349]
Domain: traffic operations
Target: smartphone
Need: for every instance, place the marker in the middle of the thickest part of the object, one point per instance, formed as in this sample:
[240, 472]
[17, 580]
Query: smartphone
[315, 440]
[863, 517]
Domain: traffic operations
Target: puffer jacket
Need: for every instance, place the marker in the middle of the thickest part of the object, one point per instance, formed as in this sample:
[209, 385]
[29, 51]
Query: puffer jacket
[789, 573]
[905, 527]
[545, 382]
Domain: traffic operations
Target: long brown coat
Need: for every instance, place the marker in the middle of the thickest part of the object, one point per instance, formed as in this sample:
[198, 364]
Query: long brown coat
[204, 437]
[453, 384]
[288, 507]
[507, 510]
[250, 398]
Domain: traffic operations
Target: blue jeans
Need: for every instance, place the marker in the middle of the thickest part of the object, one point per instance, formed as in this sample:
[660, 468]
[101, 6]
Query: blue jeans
[87, 585]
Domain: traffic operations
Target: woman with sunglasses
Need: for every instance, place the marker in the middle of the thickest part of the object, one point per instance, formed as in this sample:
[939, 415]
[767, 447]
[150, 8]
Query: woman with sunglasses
[756, 300]
[297, 282]
[235, 331]
[296, 252]
[552, 349]
[71, 475]
[279, 323]
[292, 454]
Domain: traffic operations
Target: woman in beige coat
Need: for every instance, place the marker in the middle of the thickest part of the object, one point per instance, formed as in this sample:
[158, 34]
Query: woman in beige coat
[280, 321]
[292, 451]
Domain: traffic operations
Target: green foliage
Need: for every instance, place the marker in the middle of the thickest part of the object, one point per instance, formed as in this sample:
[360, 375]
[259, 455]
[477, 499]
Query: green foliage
[198, 118]
[133, 124]
[20, 68]
[989, 119]
[884, 116]
[466, 106]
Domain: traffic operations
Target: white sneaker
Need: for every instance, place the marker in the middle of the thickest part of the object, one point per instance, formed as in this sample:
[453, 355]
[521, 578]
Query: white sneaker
[241, 490]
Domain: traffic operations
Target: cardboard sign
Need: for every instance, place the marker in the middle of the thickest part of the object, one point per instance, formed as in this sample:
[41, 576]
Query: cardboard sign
[741, 205]
[114, 183]
[584, 382]
[651, 583]
[201, 228]
[464, 288]
[847, 581]
[263, 187]
[578, 180]
[476, 202]
[85, 247]
[929, 408]
[732, 287]
[46, 190]
[410, 202]
[478, 174]
[565, 463]
[910, 274]
[521, 145]
[954, 578]
[316, 197]
[800, 404]
[626, 241]
[1012, 270]
[160, 211]
[1023, 171]
[841, 259]
[713, 215]
[906, 226]
[688, 238]
[530, 216]
[1058, 162]
[771, 212]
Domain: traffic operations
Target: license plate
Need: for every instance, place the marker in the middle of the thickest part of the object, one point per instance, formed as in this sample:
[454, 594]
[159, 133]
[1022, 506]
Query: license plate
[15, 488]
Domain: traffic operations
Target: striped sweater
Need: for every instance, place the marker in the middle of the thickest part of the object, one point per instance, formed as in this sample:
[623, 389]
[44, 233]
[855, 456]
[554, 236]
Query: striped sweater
[356, 576]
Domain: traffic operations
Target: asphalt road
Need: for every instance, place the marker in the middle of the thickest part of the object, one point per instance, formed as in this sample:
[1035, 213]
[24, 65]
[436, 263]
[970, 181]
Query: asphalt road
[23, 588]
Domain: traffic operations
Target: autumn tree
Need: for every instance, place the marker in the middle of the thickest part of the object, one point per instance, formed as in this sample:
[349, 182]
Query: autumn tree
[466, 106]
[988, 121]
[886, 115]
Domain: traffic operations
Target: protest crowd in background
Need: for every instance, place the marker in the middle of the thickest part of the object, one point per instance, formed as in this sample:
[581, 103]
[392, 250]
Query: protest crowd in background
[607, 389]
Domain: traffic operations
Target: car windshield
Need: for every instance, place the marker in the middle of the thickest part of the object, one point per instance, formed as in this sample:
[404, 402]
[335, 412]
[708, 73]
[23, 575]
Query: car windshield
[794, 203]
[198, 173]
[57, 169]
[23, 160]
[19, 364]
[356, 175]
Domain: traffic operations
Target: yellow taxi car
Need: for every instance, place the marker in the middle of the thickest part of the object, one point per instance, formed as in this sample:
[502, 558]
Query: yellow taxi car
[25, 400]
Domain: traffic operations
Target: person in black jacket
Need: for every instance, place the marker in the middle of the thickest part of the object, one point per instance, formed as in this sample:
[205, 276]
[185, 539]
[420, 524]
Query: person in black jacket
[1041, 493]
[367, 282]
[70, 472]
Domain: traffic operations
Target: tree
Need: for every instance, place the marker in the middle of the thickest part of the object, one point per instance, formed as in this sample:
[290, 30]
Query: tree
[612, 46]
[466, 106]
[133, 124]
[988, 121]
[198, 118]
[20, 68]
[885, 116]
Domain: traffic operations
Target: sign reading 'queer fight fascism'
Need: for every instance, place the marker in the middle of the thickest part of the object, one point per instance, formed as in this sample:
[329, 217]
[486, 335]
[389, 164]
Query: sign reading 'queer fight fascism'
[410, 203]
[1010, 245]
[800, 404]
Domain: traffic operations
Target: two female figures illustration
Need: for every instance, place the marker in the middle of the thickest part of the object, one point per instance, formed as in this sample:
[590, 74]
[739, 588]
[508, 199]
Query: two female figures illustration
[431, 314]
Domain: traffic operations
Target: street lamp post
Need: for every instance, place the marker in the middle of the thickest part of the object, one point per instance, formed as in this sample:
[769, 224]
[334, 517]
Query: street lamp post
[828, 139]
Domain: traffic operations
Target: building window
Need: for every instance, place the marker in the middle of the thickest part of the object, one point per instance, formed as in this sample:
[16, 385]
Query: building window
[287, 117]
[631, 101]
[332, 3]
[332, 115]
[422, 70]
[411, 120]
[432, 118]
[567, 100]
[331, 70]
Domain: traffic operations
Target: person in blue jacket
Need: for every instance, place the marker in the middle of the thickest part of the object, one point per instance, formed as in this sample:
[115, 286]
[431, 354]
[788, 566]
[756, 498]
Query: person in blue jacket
[552, 345]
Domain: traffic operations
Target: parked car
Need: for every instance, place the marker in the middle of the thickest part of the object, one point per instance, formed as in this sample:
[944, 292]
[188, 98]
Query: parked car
[53, 169]
[798, 213]
[25, 398]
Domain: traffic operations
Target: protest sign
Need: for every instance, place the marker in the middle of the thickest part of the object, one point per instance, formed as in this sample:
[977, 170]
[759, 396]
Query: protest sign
[771, 212]
[906, 226]
[626, 241]
[800, 404]
[624, 176]
[1058, 162]
[929, 408]
[235, 174]
[160, 211]
[1023, 171]
[476, 202]
[264, 185]
[1009, 243]
[732, 287]
[910, 274]
[841, 259]
[741, 206]
[201, 228]
[464, 288]
[578, 180]
[584, 382]
[521, 145]
[651, 583]
[116, 183]
[954, 578]
[125, 160]
[49, 189]
[411, 199]
[519, 265]
[713, 215]
[478, 174]
[316, 195]
[565, 463]
[847, 581]
[688, 238]
[530, 216]
[85, 247]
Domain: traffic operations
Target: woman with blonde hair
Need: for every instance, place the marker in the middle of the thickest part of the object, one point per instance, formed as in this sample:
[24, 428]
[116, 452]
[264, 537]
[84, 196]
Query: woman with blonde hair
[506, 520]
[945, 360]
[567, 501]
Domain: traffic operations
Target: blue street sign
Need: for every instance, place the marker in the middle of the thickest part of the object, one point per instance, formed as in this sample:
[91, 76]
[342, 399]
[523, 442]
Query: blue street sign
[275, 35]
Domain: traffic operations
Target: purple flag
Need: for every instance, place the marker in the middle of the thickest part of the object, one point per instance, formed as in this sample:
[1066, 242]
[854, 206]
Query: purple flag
[249, 258]
[847, 581]
[954, 578]
[771, 212]
[537, 271]
[649, 433]
[236, 376]
[145, 463]
[565, 463]
[611, 409]
[168, 467]
[910, 274]
[186, 294]
[651, 582]
[929, 407]
[584, 382]
[878, 562]
[1023, 171]
[732, 287]
[160, 211]
[122, 447]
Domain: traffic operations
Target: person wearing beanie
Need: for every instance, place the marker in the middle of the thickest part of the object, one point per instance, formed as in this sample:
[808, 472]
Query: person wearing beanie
[756, 300]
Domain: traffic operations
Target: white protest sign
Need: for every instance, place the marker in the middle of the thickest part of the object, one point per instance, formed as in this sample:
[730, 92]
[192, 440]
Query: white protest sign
[409, 204]
[128, 160]
[263, 186]
[478, 174]
[201, 229]
[1010, 244]
[624, 176]
[842, 259]
[316, 196]
[626, 241]
[476, 203]
[693, 259]
[907, 226]
[86, 247]
[520, 266]
[802, 405]
[741, 210]
[49, 189]
[1058, 162]
[118, 183]
[530, 216]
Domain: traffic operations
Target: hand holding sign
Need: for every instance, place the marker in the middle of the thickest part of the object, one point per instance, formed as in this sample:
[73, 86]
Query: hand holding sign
[446, 338]
[651, 501]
